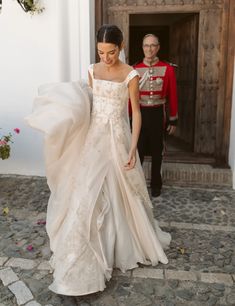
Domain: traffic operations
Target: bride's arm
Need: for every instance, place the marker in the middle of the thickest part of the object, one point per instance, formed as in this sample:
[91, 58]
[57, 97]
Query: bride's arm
[136, 121]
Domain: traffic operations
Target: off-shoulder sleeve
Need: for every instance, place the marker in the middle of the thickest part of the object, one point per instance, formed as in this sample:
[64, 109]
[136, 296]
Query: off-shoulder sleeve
[133, 73]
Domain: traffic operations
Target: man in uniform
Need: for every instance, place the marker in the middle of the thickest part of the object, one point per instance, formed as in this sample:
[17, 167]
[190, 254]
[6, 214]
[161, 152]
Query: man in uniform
[158, 97]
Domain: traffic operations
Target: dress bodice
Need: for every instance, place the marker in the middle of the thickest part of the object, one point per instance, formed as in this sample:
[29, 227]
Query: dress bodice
[110, 98]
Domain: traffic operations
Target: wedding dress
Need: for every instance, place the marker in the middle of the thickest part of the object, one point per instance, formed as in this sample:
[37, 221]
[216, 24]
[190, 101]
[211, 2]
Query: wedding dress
[99, 215]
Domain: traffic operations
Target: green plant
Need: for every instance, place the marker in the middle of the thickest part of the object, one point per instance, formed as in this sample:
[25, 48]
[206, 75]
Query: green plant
[5, 148]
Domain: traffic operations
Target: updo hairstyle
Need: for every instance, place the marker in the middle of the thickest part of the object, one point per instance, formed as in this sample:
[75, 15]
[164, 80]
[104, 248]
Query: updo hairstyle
[109, 33]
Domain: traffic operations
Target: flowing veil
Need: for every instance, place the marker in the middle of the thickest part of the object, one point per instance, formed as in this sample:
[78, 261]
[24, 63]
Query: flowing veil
[122, 56]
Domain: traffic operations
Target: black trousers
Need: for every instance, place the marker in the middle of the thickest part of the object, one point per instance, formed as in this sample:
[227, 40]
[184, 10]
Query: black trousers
[151, 141]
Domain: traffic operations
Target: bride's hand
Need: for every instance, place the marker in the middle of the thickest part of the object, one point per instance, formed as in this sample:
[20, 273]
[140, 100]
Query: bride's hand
[131, 160]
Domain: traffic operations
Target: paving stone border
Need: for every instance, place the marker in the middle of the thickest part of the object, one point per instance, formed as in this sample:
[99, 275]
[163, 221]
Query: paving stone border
[10, 279]
[23, 294]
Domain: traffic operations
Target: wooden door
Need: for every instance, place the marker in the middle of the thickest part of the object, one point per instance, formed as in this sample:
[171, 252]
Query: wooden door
[183, 52]
[212, 109]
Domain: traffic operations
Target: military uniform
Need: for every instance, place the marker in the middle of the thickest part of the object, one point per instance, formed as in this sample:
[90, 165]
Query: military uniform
[158, 101]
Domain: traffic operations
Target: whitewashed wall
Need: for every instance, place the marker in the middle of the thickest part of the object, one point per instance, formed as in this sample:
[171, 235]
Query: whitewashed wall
[50, 47]
[232, 135]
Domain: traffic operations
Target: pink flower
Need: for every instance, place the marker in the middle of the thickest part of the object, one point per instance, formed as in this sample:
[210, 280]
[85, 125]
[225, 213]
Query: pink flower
[41, 222]
[29, 248]
[3, 142]
[17, 131]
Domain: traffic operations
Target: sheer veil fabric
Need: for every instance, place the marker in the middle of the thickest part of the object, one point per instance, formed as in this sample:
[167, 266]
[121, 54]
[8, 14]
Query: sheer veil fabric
[99, 215]
[122, 56]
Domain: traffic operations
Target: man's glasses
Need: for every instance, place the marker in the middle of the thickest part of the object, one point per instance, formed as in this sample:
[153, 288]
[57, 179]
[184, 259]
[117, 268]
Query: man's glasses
[145, 46]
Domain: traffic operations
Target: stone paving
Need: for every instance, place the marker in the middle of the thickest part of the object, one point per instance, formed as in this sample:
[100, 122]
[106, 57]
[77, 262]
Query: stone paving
[201, 268]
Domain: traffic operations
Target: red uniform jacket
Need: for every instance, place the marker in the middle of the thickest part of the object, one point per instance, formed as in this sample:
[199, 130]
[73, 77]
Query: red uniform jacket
[158, 87]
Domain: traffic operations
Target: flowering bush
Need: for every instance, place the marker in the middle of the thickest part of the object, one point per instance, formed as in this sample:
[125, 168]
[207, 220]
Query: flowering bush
[5, 147]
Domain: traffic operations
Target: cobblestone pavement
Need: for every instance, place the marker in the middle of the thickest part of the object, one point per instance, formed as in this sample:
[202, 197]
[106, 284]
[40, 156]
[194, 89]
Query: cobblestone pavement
[201, 268]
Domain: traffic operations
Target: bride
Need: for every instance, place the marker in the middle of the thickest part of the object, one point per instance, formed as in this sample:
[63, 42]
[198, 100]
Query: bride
[99, 212]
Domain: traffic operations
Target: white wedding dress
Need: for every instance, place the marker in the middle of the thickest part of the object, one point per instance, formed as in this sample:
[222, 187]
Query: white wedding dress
[99, 215]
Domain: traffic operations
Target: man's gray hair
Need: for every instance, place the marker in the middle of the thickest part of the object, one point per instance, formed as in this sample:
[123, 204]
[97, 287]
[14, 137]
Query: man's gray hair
[153, 35]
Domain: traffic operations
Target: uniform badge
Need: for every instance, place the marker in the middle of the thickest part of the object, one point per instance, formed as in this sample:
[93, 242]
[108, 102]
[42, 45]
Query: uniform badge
[159, 81]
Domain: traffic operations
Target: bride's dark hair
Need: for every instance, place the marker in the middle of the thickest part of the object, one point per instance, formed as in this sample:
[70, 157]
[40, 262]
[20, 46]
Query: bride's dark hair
[110, 33]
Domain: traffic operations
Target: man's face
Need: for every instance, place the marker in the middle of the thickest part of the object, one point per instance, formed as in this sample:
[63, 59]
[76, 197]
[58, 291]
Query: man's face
[150, 47]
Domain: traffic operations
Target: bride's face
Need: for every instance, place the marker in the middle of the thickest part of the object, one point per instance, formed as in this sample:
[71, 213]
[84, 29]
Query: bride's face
[108, 53]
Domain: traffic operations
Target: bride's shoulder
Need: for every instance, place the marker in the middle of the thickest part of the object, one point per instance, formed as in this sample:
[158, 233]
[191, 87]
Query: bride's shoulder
[127, 69]
[95, 65]
[130, 73]
[130, 70]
